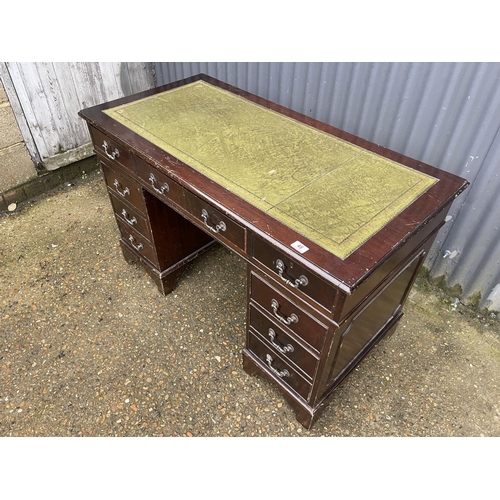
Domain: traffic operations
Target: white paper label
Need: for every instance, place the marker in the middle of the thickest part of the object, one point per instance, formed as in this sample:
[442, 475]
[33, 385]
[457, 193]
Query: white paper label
[300, 247]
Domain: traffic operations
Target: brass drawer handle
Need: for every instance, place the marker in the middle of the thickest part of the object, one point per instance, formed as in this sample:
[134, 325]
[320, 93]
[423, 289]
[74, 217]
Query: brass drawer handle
[280, 373]
[138, 247]
[121, 192]
[302, 280]
[165, 188]
[287, 321]
[221, 226]
[281, 348]
[131, 221]
[115, 154]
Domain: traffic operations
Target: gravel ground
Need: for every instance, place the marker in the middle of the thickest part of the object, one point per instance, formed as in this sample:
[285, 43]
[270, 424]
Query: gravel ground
[88, 347]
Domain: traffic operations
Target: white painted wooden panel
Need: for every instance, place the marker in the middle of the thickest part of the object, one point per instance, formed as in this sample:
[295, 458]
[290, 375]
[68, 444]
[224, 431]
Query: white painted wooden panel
[52, 93]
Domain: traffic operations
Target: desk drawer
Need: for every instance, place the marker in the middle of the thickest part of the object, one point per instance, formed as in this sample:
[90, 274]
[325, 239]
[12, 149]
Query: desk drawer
[138, 242]
[111, 150]
[123, 187]
[220, 226]
[278, 367]
[293, 275]
[160, 184]
[288, 313]
[282, 342]
[128, 215]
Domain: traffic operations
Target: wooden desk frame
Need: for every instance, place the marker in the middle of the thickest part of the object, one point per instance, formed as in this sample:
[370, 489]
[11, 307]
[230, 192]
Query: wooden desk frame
[311, 317]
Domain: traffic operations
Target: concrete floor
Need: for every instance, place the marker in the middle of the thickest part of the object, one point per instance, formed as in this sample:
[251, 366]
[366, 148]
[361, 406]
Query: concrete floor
[88, 347]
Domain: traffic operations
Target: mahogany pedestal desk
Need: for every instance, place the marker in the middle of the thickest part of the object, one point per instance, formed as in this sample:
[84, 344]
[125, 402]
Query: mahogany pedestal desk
[333, 228]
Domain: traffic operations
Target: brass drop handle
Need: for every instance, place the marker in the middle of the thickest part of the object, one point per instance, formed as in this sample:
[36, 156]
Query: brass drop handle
[280, 373]
[293, 318]
[164, 188]
[138, 247]
[301, 280]
[119, 190]
[281, 348]
[115, 154]
[221, 226]
[127, 218]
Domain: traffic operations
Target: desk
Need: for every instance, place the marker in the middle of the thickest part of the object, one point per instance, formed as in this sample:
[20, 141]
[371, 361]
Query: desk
[333, 228]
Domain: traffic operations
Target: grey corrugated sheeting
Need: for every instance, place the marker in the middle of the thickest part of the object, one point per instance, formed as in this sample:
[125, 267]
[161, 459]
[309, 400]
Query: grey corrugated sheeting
[444, 114]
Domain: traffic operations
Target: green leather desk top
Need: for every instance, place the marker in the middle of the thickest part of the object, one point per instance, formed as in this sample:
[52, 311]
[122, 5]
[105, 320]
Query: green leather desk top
[332, 192]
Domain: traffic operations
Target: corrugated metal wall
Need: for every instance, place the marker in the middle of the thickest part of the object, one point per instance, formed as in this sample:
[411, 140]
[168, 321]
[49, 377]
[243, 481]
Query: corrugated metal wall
[445, 114]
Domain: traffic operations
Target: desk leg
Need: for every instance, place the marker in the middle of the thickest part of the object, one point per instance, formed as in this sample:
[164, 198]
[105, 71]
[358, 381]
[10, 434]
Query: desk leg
[166, 283]
[165, 280]
[304, 414]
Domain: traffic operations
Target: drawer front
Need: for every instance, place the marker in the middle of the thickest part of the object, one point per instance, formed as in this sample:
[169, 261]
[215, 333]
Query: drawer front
[293, 275]
[138, 242]
[278, 367]
[220, 226]
[111, 150]
[285, 344]
[160, 184]
[130, 216]
[288, 313]
[123, 187]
